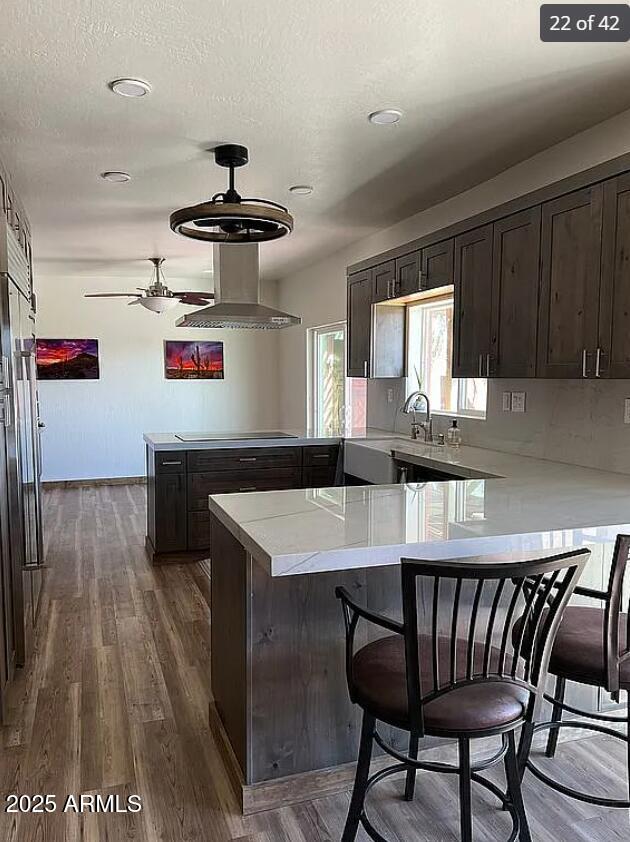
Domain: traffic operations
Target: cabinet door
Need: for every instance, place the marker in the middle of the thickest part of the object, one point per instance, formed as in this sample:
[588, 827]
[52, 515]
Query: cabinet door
[408, 276]
[570, 280]
[385, 281]
[437, 265]
[614, 314]
[516, 276]
[360, 298]
[170, 513]
[473, 302]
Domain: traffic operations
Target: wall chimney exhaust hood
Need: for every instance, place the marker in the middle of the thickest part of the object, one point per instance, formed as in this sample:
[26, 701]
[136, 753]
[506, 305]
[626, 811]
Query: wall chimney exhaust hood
[237, 294]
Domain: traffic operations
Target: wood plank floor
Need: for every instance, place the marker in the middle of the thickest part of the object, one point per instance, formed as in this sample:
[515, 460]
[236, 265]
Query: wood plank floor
[115, 698]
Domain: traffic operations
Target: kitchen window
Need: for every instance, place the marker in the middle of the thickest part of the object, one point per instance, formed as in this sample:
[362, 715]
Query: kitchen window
[335, 402]
[430, 360]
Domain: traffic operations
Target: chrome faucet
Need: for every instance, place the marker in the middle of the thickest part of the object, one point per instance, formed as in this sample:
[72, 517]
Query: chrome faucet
[410, 407]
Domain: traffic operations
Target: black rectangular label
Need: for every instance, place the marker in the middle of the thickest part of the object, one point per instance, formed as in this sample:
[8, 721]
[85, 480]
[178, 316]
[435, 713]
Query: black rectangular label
[585, 22]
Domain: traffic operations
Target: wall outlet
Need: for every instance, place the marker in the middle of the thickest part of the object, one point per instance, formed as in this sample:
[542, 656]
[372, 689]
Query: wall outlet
[390, 396]
[518, 401]
[626, 411]
[507, 402]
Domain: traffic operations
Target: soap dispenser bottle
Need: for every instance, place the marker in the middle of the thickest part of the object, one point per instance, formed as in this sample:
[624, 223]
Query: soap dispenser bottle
[454, 435]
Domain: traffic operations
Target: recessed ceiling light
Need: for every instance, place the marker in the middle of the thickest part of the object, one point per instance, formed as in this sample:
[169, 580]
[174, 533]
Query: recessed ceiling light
[301, 189]
[385, 117]
[130, 87]
[116, 177]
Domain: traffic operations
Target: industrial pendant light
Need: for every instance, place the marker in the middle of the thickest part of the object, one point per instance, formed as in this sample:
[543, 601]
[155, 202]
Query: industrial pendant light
[227, 217]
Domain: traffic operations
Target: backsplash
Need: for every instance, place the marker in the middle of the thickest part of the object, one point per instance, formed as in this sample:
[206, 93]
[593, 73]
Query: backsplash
[574, 421]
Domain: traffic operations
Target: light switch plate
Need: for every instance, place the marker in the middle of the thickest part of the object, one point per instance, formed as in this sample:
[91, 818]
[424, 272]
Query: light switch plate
[390, 396]
[518, 401]
[626, 411]
[507, 402]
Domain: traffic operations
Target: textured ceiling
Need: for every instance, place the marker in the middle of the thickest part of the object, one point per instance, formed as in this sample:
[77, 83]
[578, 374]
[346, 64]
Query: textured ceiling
[293, 80]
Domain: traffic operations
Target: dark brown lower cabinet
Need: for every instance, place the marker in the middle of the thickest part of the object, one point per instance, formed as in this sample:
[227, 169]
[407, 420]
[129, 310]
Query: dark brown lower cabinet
[170, 506]
[180, 482]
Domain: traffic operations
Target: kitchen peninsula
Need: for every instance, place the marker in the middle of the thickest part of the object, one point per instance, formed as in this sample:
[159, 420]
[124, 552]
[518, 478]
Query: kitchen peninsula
[278, 670]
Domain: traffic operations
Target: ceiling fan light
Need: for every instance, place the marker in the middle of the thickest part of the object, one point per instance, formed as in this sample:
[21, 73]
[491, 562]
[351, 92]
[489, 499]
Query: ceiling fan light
[159, 303]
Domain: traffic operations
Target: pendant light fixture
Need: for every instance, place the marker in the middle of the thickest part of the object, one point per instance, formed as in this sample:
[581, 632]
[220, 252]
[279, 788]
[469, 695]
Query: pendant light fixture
[227, 217]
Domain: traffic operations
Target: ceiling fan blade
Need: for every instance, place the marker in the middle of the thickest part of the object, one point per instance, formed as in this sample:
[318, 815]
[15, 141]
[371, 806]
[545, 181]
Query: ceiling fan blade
[194, 302]
[110, 295]
[194, 292]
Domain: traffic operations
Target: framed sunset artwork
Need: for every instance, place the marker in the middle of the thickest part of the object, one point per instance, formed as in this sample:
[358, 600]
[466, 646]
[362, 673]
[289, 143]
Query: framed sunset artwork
[193, 360]
[67, 359]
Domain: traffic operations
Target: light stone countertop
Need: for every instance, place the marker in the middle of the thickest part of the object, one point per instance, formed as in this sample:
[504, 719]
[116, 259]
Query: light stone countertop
[169, 441]
[531, 505]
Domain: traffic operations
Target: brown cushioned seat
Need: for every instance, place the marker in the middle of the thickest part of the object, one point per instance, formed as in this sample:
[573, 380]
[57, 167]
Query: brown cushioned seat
[578, 652]
[381, 684]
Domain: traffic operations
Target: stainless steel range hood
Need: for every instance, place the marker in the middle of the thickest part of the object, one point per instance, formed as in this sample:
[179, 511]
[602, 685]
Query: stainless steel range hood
[237, 294]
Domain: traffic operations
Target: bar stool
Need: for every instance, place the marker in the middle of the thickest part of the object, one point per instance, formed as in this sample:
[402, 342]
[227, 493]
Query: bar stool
[592, 647]
[462, 678]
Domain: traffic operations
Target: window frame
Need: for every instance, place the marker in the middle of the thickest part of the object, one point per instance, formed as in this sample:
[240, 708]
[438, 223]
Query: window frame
[437, 298]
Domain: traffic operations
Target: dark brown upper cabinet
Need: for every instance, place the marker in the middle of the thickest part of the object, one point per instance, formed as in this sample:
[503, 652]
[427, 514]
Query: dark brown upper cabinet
[360, 298]
[408, 274]
[473, 303]
[437, 265]
[612, 354]
[384, 283]
[570, 284]
[515, 284]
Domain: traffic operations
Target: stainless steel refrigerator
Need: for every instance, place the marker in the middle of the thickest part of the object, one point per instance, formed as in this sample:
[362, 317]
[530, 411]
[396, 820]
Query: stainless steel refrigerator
[20, 454]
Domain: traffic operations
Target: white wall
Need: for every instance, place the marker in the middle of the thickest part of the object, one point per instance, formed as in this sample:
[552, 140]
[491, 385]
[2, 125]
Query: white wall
[94, 428]
[567, 420]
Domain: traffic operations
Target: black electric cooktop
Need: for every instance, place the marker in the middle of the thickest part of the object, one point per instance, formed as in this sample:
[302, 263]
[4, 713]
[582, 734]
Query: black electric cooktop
[192, 437]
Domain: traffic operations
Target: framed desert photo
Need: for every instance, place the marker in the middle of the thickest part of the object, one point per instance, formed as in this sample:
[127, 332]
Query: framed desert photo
[193, 360]
[67, 359]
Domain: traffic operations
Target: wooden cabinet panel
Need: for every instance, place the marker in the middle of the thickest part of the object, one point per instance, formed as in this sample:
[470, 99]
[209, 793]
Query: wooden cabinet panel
[408, 276]
[473, 302]
[319, 477]
[570, 282]
[170, 462]
[360, 297]
[437, 265]
[199, 530]
[516, 278]
[200, 485]
[385, 281]
[321, 455]
[170, 513]
[614, 316]
[244, 458]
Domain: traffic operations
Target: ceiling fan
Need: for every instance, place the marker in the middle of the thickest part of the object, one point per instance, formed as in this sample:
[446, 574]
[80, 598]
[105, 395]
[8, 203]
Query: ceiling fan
[157, 297]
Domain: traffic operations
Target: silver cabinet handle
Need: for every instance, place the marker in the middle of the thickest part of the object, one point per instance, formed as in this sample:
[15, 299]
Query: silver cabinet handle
[248, 488]
[320, 456]
[247, 459]
[487, 365]
[584, 362]
[365, 369]
[598, 359]
[480, 365]
[165, 463]
[421, 279]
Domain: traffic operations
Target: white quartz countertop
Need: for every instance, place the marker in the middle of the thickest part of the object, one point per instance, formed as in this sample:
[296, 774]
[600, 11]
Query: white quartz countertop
[529, 505]
[295, 438]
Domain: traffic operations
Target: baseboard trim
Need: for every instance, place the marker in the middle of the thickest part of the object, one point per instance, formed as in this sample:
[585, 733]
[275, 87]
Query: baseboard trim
[93, 483]
[282, 792]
